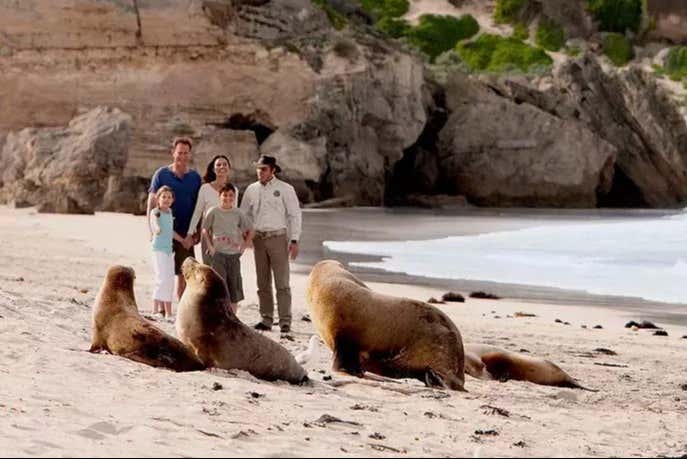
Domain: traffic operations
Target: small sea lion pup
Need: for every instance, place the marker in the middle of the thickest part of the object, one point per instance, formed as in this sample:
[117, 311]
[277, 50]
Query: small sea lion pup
[383, 334]
[119, 329]
[219, 339]
[483, 361]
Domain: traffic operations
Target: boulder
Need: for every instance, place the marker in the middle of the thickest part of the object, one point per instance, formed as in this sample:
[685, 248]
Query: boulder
[500, 153]
[66, 169]
[629, 110]
[669, 20]
[303, 163]
[126, 194]
[368, 119]
[240, 146]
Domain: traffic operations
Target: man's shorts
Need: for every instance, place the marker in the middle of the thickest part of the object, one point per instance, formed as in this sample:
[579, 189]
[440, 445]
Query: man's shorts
[180, 254]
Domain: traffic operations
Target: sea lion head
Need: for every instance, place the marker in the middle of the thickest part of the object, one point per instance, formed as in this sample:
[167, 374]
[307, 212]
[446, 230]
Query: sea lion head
[120, 278]
[116, 293]
[202, 278]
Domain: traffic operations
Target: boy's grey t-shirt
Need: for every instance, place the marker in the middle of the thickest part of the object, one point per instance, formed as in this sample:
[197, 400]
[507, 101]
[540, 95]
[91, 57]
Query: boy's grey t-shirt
[227, 227]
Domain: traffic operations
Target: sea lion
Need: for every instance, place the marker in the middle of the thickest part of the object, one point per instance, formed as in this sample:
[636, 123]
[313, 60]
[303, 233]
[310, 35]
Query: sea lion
[219, 339]
[386, 335]
[483, 361]
[119, 329]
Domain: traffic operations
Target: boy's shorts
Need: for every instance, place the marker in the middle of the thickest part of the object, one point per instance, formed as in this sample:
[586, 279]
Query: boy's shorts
[180, 254]
[229, 268]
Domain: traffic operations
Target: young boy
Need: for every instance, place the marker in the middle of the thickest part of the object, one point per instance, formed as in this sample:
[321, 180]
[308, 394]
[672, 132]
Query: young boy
[228, 231]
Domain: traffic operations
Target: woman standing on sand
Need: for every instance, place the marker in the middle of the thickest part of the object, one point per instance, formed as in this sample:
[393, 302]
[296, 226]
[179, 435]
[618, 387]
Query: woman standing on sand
[216, 176]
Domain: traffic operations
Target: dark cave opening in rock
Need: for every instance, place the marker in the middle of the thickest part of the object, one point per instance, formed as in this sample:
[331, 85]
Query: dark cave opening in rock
[624, 193]
[255, 122]
[418, 171]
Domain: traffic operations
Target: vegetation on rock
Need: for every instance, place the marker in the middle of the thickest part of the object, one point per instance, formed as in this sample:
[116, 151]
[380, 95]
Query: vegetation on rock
[386, 8]
[617, 15]
[521, 31]
[550, 35]
[618, 48]
[496, 54]
[506, 11]
[436, 34]
[337, 19]
[676, 63]
[393, 27]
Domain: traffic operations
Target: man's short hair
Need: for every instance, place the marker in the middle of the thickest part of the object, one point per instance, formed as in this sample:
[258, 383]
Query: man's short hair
[228, 187]
[184, 140]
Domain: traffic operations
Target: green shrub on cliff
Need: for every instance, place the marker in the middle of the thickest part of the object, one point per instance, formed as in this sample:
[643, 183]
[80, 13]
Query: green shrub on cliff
[550, 35]
[436, 34]
[506, 11]
[617, 15]
[618, 49]
[520, 31]
[393, 27]
[676, 63]
[493, 53]
[337, 19]
[381, 9]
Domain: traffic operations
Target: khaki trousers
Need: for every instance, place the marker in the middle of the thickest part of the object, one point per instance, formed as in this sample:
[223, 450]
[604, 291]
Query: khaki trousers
[272, 257]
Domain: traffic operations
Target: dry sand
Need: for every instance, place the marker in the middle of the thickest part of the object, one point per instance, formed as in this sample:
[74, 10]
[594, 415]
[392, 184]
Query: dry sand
[58, 400]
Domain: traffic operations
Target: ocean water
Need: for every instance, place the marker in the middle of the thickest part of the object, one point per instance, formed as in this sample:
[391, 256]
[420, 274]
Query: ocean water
[644, 258]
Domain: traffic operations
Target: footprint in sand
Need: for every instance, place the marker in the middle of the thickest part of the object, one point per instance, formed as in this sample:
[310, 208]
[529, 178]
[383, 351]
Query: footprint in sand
[98, 430]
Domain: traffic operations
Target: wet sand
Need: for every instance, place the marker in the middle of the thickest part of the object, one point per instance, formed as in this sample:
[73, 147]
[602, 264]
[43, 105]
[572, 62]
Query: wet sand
[371, 224]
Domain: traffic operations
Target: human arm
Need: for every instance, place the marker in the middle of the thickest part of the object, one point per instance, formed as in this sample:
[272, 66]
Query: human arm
[149, 207]
[154, 223]
[293, 219]
[152, 200]
[207, 234]
[206, 231]
[198, 211]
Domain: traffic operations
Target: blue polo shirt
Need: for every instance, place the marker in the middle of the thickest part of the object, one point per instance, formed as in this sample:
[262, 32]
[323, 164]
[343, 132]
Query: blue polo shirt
[185, 195]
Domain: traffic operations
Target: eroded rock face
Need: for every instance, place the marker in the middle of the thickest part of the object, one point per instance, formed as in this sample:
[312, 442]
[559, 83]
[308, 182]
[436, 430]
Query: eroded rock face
[190, 67]
[66, 169]
[669, 18]
[500, 153]
[368, 118]
[630, 111]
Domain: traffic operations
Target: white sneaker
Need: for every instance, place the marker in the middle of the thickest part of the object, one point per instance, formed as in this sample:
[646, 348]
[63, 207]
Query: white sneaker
[171, 319]
[157, 316]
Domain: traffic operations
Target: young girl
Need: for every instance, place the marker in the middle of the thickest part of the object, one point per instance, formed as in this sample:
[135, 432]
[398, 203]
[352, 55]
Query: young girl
[163, 255]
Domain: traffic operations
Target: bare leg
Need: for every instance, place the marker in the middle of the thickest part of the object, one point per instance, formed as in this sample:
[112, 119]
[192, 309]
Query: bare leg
[168, 308]
[234, 307]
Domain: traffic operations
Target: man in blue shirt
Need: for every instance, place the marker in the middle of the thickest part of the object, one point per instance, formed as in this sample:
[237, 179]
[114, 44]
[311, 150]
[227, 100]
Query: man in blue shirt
[185, 182]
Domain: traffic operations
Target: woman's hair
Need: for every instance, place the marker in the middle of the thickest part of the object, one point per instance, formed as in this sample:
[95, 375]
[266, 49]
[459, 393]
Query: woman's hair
[210, 175]
[164, 189]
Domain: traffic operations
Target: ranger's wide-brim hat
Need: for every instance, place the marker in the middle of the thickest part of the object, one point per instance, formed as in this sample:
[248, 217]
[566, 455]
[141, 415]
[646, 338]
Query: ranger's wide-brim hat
[265, 160]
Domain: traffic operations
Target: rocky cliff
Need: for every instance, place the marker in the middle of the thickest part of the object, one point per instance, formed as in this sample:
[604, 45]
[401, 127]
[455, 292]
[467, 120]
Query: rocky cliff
[349, 113]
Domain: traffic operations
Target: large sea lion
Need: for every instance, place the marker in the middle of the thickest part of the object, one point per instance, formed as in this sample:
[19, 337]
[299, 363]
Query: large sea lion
[219, 339]
[119, 329]
[483, 361]
[382, 334]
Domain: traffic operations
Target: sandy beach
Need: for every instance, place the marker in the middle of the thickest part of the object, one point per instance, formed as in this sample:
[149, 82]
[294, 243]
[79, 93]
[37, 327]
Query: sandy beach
[56, 399]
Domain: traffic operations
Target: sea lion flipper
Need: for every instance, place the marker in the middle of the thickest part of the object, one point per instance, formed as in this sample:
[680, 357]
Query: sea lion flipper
[432, 379]
[347, 357]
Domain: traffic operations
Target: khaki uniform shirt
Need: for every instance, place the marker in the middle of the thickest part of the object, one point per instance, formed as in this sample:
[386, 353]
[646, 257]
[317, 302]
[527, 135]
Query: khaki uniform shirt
[272, 207]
